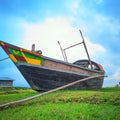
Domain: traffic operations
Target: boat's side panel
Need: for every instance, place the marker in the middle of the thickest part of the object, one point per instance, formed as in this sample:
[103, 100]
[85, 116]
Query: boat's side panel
[41, 78]
[58, 65]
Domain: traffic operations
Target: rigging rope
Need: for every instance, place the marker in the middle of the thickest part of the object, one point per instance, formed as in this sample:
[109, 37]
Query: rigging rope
[4, 59]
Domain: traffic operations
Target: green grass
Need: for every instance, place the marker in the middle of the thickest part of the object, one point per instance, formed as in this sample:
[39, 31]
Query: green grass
[12, 94]
[62, 105]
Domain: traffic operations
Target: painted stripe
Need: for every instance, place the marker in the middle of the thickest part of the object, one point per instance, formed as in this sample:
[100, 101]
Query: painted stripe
[15, 52]
[6, 49]
[12, 58]
[1, 43]
[17, 55]
[33, 61]
[19, 58]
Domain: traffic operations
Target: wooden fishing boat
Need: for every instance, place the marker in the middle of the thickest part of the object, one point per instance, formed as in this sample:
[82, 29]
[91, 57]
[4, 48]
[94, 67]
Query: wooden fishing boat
[44, 73]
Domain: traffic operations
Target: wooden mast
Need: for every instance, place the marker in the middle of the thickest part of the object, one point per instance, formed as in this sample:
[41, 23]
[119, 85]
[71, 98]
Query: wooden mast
[64, 50]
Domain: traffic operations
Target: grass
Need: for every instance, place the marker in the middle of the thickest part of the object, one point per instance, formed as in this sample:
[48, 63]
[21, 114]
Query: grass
[62, 105]
[12, 94]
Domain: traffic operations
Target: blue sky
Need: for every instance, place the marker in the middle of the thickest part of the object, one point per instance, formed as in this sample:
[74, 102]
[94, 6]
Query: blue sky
[44, 22]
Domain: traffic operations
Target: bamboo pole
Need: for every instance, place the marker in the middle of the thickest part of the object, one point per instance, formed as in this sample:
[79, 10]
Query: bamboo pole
[86, 50]
[63, 53]
[50, 91]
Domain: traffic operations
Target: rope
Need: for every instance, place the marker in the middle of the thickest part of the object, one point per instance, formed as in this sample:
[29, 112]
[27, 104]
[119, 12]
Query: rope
[50, 91]
[4, 59]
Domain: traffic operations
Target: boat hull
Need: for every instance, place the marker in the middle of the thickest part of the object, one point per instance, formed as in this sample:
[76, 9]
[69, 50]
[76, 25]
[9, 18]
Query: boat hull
[44, 73]
[44, 79]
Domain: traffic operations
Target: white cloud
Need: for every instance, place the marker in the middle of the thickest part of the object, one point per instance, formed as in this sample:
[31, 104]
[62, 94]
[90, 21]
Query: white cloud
[116, 75]
[113, 79]
[108, 23]
[94, 48]
[46, 34]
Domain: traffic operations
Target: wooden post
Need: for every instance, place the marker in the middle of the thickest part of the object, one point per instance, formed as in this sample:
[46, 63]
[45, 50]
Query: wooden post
[33, 48]
[63, 53]
[86, 50]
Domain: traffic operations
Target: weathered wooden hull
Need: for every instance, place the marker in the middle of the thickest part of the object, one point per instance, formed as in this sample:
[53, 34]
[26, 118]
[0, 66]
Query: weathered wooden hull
[47, 78]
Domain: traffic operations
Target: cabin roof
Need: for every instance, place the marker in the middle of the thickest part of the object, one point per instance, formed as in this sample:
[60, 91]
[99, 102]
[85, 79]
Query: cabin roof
[6, 79]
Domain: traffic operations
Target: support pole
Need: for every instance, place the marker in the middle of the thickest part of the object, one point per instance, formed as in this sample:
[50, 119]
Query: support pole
[63, 53]
[86, 50]
[73, 45]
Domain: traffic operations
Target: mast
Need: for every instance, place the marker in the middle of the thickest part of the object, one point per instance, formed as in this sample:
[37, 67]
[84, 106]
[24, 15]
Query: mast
[63, 53]
[86, 49]
[64, 50]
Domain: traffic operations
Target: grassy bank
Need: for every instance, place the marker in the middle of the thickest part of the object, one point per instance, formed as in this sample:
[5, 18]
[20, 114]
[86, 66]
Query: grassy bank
[62, 105]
